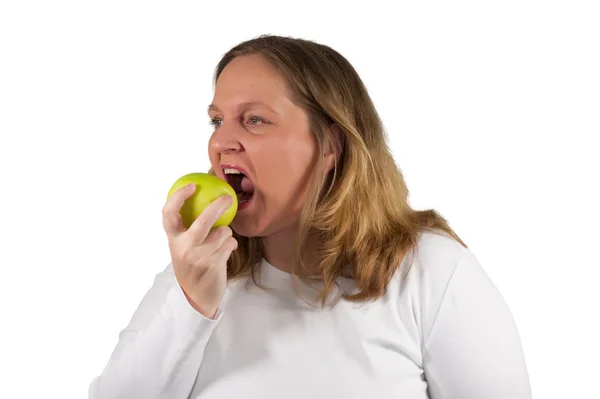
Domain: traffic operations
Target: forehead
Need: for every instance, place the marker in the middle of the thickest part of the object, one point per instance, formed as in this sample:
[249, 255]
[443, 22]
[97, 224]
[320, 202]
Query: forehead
[250, 79]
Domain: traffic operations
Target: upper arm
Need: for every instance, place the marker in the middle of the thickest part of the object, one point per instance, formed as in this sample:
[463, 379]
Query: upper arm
[473, 349]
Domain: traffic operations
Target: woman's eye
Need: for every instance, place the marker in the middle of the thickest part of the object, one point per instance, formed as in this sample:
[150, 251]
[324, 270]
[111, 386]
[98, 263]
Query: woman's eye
[255, 121]
[215, 122]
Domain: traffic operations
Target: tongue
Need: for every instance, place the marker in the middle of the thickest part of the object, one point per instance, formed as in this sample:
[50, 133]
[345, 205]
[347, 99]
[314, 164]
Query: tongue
[247, 185]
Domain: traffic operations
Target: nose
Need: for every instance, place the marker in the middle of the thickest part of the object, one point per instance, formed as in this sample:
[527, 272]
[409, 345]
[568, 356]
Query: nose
[226, 140]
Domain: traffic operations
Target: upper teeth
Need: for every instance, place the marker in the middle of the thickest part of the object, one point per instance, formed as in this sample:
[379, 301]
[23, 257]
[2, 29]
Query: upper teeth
[229, 171]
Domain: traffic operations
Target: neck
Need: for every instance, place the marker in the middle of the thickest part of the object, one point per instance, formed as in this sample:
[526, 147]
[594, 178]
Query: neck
[279, 251]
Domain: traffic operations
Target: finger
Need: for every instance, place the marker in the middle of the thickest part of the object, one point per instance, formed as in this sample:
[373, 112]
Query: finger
[215, 239]
[223, 254]
[172, 222]
[209, 216]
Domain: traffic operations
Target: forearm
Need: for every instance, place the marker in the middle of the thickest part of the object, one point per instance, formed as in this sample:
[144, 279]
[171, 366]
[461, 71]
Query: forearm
[160, 360]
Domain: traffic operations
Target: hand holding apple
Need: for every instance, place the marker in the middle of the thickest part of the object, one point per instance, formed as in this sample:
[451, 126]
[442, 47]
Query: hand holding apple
[208, 189]
[200, 252]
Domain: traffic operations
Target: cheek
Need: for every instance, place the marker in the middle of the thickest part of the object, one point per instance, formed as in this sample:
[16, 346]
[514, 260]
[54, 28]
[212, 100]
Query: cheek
[210, 150]
[285, 171]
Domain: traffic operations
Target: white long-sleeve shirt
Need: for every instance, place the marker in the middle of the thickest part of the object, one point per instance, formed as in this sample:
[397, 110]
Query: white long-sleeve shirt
[443, 332]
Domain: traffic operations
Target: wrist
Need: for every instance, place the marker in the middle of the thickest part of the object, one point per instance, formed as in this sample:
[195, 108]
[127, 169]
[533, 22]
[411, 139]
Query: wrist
[208, 313]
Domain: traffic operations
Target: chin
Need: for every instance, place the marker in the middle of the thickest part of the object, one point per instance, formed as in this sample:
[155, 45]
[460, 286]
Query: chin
[249, 227]
[245, 228]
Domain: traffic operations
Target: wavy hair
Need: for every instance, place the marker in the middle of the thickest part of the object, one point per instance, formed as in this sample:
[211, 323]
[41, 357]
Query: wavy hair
[359, 212]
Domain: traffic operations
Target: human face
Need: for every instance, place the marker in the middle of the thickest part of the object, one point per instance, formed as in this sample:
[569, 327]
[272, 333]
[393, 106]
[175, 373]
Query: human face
[259, 131]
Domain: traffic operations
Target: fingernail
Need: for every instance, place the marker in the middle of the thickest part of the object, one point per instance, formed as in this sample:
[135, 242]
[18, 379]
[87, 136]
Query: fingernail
[226, 202]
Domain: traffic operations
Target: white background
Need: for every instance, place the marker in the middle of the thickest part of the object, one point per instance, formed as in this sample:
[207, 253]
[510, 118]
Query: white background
[492, 109]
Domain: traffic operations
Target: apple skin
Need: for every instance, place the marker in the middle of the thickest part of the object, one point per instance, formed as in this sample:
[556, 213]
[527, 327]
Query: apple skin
[208, 189]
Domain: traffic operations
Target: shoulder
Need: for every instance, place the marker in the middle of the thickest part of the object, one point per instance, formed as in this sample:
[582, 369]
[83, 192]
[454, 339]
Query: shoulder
[435, 258]
[425, 275]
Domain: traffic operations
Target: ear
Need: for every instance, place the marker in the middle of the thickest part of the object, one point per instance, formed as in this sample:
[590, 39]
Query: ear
[334, 152]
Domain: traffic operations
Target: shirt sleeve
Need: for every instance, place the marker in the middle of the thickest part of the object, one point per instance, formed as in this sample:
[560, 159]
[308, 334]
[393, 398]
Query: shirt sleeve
[159, 353]
[473, 349]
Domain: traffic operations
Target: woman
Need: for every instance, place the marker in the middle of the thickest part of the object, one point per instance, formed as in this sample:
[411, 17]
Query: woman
[327, 284]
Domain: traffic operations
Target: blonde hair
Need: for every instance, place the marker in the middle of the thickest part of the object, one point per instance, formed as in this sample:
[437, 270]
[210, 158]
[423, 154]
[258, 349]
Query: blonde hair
[359, 212]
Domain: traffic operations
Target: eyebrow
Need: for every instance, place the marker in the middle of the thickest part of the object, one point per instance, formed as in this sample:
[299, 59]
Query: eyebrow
[251, 104]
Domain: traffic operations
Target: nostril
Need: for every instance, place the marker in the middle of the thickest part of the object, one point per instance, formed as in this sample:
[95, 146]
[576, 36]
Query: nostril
[224, 140]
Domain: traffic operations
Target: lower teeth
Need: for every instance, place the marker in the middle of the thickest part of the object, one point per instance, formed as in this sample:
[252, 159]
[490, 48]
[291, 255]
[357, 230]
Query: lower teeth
[243, 197]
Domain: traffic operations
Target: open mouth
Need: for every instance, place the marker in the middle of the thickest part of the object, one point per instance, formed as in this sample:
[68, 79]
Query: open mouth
[241, 184]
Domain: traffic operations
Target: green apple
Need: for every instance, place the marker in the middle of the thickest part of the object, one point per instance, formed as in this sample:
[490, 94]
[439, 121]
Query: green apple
[208, 189]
